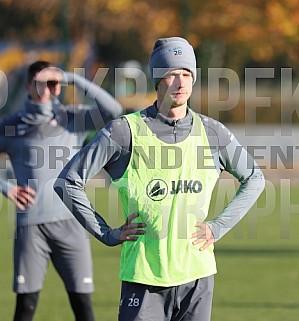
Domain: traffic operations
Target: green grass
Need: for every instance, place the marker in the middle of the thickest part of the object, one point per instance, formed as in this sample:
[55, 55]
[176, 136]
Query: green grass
[258, 274]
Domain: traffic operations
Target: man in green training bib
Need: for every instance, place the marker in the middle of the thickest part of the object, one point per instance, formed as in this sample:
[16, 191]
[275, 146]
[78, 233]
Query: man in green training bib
[165, 161]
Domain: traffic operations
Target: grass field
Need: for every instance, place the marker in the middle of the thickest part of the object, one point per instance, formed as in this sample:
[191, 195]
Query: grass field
[258, 265]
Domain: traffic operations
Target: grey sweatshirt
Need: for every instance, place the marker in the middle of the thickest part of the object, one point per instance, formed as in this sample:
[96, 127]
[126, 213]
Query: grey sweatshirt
[42, 138]
[111, 150]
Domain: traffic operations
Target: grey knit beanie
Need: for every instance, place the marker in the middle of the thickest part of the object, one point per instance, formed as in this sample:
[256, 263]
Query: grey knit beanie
[170, 54]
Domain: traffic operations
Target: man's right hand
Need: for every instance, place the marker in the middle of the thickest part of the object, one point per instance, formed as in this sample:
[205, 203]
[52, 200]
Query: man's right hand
[22, 196]
[130, 231]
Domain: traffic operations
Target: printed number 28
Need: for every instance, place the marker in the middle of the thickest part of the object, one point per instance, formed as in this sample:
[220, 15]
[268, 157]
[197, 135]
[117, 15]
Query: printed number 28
[133, 302]
[178, 52]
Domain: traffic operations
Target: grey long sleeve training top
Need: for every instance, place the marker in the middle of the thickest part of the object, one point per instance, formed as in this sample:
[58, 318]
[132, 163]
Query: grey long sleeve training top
[42, 138]
[111, 150]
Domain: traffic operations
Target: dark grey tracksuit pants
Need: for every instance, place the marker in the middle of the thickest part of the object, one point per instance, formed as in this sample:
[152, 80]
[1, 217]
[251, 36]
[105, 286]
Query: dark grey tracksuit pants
[187, 302]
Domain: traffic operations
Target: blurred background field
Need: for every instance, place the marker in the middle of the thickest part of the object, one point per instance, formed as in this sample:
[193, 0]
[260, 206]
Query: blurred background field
[257, 278]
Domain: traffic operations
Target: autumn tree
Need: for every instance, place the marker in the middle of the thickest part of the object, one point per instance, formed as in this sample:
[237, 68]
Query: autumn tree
[228, 32]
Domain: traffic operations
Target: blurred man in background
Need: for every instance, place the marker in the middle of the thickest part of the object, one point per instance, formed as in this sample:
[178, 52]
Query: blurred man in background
[39, 141]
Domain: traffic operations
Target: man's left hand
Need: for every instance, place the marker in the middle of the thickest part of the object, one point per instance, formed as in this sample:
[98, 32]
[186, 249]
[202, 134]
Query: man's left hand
[203, 234]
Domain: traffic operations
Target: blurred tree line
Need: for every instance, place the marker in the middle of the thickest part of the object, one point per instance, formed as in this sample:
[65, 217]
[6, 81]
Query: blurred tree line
[227, 33]
[234, 34]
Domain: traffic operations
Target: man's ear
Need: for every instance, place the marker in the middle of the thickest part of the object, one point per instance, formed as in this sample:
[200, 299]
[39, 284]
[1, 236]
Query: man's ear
[57, 90]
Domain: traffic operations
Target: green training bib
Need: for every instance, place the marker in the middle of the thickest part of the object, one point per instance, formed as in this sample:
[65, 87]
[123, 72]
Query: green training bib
[170, 186]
